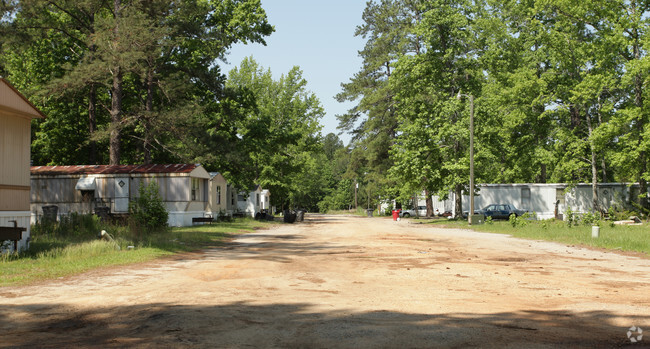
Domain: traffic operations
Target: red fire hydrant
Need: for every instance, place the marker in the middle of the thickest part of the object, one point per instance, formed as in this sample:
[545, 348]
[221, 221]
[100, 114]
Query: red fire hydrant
[395, 214]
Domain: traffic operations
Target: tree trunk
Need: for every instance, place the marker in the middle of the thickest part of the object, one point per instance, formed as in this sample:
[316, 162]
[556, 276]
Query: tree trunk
[116, 117]
[92, 124]
[542, 174]
[459, 201]
[146, 146]
[602, 161]
[594, 167]
[429, 201]
[116, 98]
[640, 124]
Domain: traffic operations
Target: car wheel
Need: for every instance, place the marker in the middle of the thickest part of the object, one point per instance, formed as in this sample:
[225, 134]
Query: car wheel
[406, 215]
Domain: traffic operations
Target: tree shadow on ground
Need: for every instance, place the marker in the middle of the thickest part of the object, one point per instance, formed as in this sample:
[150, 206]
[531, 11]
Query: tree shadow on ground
[275, 247]
[301, 325]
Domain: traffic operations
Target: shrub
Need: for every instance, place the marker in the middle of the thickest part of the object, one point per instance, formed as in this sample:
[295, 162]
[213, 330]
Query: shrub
[571, 218]
[590, 218]
[148, 211]
[518, 221]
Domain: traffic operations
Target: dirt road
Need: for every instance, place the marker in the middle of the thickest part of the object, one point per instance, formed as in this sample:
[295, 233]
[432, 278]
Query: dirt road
[345, 282]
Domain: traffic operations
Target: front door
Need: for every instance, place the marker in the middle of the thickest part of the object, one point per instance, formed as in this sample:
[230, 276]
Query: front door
[121, 195]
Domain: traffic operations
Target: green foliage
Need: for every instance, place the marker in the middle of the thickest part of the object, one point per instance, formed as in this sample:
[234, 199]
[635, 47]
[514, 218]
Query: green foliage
[489, 220]
[147, 213]
[73, 225]
[590, 218]
[622, 238]
[570, 217]
[280, 136]
[154, 65]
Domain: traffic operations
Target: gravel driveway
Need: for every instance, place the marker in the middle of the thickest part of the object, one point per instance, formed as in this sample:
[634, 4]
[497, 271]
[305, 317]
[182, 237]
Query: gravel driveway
[349, 282]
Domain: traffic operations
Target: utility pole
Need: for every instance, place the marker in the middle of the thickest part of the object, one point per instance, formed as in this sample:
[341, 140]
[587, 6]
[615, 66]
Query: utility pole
[471, 158]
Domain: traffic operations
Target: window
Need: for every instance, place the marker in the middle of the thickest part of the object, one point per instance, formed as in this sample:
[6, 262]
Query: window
[257, 199]
[218, 195]
[525, 197]
[195, 189]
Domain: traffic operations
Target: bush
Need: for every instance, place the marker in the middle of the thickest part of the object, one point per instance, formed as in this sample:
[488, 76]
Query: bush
[147, 212]
[590, 218]
[571, 218]
[72, 225]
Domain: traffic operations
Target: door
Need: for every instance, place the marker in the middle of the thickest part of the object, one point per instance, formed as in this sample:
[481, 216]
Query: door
[503, 211]
[121, 195]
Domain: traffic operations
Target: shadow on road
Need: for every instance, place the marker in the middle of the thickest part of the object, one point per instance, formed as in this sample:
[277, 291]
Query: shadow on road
[275, 247]
[244, 324]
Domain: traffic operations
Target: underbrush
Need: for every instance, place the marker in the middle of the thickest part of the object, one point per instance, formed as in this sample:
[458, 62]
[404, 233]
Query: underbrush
[72, 246]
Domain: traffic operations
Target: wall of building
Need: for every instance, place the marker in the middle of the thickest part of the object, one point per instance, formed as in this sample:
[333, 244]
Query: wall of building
[219, 187]
[540, 198]
[14, 172]
[14, 157]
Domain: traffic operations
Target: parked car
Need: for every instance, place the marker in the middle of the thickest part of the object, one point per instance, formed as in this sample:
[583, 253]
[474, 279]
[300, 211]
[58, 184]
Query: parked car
[498, 211]
[422, 211]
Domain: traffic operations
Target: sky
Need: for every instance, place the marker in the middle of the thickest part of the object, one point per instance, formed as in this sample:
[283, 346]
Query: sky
[318, 36]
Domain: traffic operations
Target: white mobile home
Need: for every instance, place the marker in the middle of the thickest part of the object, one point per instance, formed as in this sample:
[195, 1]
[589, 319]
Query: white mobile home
[90, 188]
[542, 198]
[250, 204]
[16, 114]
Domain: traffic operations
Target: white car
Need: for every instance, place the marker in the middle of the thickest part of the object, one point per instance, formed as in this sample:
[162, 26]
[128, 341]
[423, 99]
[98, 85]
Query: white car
[422, 211]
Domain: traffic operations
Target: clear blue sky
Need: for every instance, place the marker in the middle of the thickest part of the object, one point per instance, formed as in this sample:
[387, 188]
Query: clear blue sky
[318, 36]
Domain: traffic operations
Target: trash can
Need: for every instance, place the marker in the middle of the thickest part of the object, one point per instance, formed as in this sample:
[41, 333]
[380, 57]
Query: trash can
[50, 213]
[370, 211]
[289, 217]
[300, 215]
[395, 215]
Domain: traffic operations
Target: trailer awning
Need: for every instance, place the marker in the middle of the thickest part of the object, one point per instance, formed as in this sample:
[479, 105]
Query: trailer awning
[86, 183]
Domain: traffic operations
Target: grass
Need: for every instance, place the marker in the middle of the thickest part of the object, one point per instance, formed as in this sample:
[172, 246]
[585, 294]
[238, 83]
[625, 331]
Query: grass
[613, 237]
[362, 212]
[54, 256]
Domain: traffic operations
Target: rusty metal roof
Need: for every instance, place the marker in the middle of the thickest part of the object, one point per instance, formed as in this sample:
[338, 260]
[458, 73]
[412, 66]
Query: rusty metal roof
[112, 169]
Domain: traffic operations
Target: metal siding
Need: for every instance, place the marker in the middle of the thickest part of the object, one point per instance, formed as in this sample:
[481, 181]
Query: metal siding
[179, 189]
[14, 150]
[14, 200]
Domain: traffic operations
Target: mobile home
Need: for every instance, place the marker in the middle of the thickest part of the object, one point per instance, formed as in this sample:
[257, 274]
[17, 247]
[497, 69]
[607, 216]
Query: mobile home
[16, 114]
[184, 189]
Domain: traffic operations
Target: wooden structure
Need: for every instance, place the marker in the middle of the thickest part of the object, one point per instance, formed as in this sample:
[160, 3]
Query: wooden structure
[16, 114]
[184, 189]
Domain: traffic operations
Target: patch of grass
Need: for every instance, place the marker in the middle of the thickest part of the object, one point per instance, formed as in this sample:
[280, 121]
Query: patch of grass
[613, 237]
[52, 256]
[358, 212]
